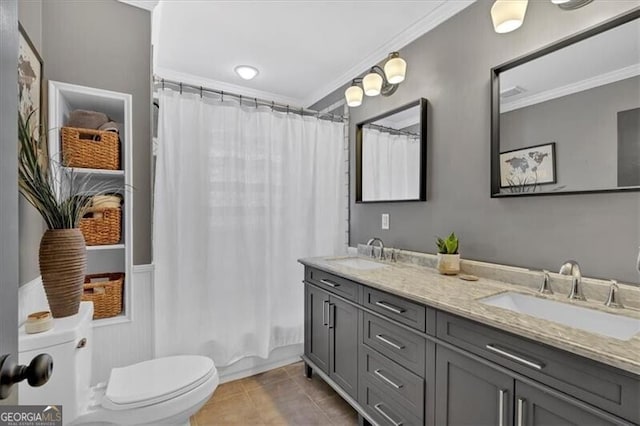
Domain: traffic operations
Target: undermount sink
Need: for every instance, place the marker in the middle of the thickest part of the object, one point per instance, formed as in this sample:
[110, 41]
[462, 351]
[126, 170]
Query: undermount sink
[358, 263]
[591, 320]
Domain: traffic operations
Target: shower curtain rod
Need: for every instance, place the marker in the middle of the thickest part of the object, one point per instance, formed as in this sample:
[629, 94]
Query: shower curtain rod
[250, 101]
[391, 130]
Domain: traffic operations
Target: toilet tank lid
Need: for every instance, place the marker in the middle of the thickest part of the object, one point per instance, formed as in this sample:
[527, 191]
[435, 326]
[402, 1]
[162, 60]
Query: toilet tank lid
[156, 380]
[64, 330]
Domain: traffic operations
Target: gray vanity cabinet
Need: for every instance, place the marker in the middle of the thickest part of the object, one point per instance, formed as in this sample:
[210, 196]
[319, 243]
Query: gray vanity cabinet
[471, 393]
[331, 337]
[397, 361]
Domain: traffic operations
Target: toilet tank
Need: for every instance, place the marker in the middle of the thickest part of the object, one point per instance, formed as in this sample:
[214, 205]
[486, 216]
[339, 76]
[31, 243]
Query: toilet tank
[69, 343]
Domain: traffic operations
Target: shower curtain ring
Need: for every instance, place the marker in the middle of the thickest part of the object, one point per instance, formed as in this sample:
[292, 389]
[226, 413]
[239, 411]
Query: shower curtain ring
[240, 100]
[200, 92]
[256, 99]
[273, 104]
[222, 96]
[163, 84]
[181, 88]
[287, 109]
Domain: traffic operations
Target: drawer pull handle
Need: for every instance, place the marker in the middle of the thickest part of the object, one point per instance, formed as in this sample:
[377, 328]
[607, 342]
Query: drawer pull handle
[501, 406]
[516, 358]
[329, 283]
[390, 307]
[389, 342]
[379, 409]
[520, 412]
[386, 379]
[325, 303]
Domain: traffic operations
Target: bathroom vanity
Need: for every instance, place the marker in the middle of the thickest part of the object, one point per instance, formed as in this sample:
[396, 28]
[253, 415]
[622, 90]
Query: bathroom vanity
[404, 345]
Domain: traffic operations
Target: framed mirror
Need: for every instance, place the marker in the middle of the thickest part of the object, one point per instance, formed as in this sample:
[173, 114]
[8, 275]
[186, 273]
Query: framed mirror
[391, 156]
[566, 118]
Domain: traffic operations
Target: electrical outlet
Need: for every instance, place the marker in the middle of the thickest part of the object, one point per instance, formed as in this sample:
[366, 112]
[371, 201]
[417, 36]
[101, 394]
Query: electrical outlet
[385, 220]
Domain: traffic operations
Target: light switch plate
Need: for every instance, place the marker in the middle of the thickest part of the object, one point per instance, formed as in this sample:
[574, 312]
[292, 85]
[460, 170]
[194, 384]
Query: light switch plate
[385, 220]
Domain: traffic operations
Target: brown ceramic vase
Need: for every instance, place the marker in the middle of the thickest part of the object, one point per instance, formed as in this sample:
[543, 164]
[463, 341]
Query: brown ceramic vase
[63, 264]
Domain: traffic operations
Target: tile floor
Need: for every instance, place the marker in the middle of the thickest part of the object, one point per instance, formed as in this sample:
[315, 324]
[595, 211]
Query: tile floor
[277, 397]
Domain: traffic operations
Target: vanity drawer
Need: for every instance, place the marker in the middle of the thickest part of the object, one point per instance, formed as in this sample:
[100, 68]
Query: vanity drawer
[397, 308]
[402, 346]
[332, 283]
[606, 387]
[392, 379]
[383, 409]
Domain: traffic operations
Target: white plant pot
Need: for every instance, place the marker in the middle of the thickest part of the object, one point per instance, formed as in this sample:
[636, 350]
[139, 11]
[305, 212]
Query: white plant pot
[448, 264]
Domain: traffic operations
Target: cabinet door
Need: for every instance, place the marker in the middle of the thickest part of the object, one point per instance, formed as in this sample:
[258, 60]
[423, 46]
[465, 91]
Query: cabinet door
[316, 326]
[537, 408]
[471, 393]
[343, 338]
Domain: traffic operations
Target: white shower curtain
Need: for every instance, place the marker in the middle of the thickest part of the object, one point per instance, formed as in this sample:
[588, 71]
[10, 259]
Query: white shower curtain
[241, 193]
[390, 165]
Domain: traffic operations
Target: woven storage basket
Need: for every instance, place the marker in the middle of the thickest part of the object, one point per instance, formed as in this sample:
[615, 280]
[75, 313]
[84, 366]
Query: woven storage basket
[103, 227]
[92, 149]
[106, 295]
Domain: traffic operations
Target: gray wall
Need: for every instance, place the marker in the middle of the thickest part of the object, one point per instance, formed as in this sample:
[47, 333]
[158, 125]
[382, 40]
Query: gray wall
[104, 44]
[9, 180]
[584, 126]
[450, 67]
[31, 224]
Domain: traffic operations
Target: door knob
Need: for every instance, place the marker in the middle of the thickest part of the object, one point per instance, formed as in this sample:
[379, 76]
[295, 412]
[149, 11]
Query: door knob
[37, 372]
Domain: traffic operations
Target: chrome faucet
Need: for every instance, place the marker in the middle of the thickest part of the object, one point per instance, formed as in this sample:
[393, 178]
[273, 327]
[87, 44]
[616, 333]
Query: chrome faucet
[572, 269]
[545, 287]
[371, 243]
[613, 300]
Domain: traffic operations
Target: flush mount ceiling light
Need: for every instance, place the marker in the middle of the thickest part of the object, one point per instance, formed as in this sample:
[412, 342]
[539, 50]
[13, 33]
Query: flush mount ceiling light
[508, 15]
[378, 81]
[246, 72]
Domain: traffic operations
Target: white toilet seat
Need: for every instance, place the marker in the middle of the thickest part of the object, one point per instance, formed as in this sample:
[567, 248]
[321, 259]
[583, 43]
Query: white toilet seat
[154, 381]
[171, 404]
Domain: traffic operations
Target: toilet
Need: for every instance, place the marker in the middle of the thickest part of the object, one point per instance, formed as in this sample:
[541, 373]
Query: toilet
[160, 391]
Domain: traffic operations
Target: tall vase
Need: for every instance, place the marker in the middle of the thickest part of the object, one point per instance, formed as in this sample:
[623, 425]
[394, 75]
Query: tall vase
[63, 263]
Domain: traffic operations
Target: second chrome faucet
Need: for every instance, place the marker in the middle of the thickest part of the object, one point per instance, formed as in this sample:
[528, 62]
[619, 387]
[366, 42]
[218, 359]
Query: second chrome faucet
[571, 268]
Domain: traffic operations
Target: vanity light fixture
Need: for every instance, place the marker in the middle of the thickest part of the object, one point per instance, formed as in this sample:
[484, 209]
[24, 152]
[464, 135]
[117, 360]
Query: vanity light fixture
[378, 81]
[246, 72]
[508, 15]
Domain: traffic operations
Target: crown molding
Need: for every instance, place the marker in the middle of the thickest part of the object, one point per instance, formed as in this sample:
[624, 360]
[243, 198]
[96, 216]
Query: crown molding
[579, 86]
[187, 78]
[444, 11]
[142, 4]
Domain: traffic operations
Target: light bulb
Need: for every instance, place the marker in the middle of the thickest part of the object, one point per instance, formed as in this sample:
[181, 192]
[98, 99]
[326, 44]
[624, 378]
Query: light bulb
[353, 95]
[395, 69]
[508, 15]
[372, 84]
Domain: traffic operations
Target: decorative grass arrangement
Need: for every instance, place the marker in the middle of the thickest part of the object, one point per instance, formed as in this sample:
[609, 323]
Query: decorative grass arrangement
[38, 182]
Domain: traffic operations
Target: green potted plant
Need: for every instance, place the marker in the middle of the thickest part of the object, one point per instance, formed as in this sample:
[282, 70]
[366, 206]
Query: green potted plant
[448, 256]
[62, 254]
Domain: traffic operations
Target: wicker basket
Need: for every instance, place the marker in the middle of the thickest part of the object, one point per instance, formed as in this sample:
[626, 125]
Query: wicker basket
[105, 294]
[92, 149]
[102, 227]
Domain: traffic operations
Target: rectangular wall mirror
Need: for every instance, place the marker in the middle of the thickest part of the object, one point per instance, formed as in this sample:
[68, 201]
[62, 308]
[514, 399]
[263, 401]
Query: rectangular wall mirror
[566, 118]
[391, 155]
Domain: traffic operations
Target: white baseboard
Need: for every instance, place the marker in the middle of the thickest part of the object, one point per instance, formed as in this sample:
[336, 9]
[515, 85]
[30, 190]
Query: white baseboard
[246, 367]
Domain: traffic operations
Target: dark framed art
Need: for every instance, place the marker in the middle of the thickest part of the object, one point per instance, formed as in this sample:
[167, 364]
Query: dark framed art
[29, 79]
[530, 166]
